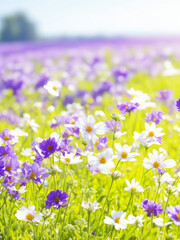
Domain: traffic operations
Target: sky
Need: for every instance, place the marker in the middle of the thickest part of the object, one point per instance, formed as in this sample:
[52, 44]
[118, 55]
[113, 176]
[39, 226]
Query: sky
[99, 17]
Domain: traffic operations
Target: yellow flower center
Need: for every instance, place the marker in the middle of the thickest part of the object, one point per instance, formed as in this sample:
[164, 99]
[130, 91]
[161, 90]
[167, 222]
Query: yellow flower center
[178, 216]
[49, 147]
[67, 159]
[8, 168]
[73, 121]
[102, 160]
[6, 137]
[54, 88]
[126, 107]
[4, 155]
[134, 189]
[151, 134]
[150, 209]
[57, 199]
[97, 142]
[117, 220]
[89, 129]
[124, 155]
[29, 216]
[33, 175]
[155, 164]
[154, 119]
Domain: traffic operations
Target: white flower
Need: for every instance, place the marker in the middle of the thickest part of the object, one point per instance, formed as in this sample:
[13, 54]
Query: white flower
[117, 220]
[156, 161]
[102, 161]
[27, 121]
[142, 98]
[134, 187]
[53, 87]
[89, 129]
[135, 220]
[100, 114]
[150, 136]
[28, 214]
[51, 109]
[90, 207]
[160, 222]
[26, 152]
[70, 158]
[124, 153]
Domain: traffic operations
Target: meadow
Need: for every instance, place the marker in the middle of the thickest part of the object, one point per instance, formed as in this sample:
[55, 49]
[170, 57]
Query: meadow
[89, 141]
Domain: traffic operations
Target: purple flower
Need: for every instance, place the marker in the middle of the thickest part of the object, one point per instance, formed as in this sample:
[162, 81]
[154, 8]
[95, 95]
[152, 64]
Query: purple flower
[101, 143]
[113, 125]
[6, 136]
[6, 152]
[93, 170]
[33, 172]
[10, 181]
[14, 193]
[57, 199]
[154, 117]
[164, 95]
[48, 147]
[178, 105]
[174, 214]
[152, 207]
[127, 107]
[11, 166]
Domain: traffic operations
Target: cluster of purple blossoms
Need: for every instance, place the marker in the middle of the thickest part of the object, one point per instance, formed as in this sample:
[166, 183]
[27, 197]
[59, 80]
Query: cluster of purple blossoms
[174, 214]
[48, 147]
[113, 125]
[155, 117]
[151, 207]
[127, 107]
[57, 199]
[165, 95]
[178, 105]
[6, 137]
[33, 172]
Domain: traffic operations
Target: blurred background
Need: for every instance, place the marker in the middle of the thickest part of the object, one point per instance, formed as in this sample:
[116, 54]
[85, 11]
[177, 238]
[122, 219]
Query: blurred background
[24, 20]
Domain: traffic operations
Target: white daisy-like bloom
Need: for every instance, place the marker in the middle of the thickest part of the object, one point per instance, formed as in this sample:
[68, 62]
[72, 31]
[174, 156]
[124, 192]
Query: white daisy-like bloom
[28, 122]
[156, 161]
[26, 152]
[102, 161]
[100, 114]
[136, 220]
[134, 187]
[142, 98]
[74, 107]
[124, 153]
[70, 158]
[90, 129]
[117, 220]
[53, 87]
[28, 214]
[160, 222]
[17, 132]
[150, 136]
[51, 109]
[90, 207]
[165, 178]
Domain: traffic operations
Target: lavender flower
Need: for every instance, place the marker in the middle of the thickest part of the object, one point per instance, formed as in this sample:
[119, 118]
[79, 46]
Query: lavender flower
[164, 95]
[34, 172]
[174, 214]
[154, 117]
[178, 105]
[152, 207]
[127, 107]
[113, 125]
[48, 147]
[6, 136]
[57, 199]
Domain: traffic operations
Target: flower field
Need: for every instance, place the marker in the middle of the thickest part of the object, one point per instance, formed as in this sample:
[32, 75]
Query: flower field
[89, 140]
